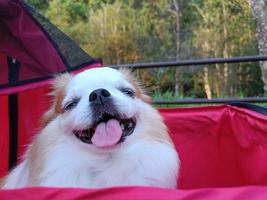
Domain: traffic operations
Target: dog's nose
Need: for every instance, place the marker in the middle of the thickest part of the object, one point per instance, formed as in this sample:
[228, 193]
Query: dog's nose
[100, 95]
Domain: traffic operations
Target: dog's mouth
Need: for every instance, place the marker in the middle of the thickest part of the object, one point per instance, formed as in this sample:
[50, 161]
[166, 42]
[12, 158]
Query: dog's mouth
[107, 131]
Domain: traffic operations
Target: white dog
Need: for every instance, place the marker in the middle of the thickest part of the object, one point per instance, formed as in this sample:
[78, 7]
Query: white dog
[99, 132]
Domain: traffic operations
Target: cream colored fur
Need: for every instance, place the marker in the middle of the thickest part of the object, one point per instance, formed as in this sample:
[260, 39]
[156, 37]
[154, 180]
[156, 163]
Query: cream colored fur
[57, 158]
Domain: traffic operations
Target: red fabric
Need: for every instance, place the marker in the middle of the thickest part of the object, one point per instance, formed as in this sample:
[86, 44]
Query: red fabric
[135, 193]
[3, 69]
[219, 146]
[4, 135]
[33, 103]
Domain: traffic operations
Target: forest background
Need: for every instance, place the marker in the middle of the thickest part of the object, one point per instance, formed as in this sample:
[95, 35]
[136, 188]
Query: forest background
[131, 31]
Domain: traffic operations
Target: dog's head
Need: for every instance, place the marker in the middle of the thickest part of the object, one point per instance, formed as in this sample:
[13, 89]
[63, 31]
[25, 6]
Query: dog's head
[103, 107]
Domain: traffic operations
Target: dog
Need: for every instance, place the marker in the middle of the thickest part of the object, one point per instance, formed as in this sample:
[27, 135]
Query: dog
[100, 131]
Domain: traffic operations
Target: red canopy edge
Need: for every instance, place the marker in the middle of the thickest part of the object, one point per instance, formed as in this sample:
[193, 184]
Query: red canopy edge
[42, 83]
[135, 193]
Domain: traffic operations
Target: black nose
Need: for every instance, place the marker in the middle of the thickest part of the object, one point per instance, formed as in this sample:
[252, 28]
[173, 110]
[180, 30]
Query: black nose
[100, 95]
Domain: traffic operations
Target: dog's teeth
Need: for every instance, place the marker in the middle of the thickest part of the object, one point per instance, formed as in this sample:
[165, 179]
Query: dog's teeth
[122, 127]
[83, 133]
[130, 124]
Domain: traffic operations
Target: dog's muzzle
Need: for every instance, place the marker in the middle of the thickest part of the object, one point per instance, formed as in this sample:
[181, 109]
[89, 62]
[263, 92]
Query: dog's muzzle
[109, 126]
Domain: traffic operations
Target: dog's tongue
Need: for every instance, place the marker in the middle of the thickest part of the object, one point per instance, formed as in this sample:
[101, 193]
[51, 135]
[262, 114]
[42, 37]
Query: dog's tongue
[107, 134]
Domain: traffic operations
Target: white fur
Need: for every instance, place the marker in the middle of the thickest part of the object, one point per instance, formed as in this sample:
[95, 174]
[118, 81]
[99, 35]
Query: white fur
[140, 160]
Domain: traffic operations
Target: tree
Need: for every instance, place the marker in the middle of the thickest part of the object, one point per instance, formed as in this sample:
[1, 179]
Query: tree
[130, 31]
[177, 8]
[259, 11]
[225, 30]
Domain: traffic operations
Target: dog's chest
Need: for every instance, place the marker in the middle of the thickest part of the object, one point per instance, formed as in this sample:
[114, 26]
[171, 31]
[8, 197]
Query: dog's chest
[67, 168]
[114, 172]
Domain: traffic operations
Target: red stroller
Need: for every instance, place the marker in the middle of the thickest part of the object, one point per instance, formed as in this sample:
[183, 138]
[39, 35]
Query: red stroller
[223, 148]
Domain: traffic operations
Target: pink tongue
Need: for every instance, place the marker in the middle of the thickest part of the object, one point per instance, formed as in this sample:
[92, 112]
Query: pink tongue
[107, 134]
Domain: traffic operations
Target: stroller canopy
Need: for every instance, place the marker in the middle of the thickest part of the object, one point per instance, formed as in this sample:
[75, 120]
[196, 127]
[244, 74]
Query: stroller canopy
[32, 49]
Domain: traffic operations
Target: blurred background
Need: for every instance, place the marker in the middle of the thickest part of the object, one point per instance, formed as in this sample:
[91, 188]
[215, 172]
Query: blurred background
[134, 31]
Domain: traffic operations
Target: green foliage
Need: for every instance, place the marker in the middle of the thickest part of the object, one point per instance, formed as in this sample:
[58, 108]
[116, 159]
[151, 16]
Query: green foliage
[40, 5]
[166, 95]
[129, 31]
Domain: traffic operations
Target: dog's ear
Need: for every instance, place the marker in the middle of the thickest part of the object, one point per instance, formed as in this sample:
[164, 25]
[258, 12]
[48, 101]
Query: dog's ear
[146, 98]
[140, 92]
[57, 93]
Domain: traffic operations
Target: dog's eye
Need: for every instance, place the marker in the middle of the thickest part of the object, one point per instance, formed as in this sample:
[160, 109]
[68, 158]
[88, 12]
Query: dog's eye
[128, 91]
[70, 105]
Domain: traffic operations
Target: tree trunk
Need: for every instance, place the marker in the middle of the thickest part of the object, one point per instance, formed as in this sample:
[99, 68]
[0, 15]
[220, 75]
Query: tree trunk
[206, 82]
[259, 12]
[177, 70]
[218, 82]
[225, 54]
